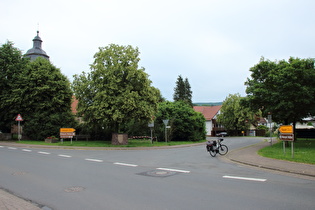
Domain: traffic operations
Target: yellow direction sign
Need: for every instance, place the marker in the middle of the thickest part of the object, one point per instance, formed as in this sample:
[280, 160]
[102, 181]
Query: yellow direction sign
[67, 130]
[286, 129]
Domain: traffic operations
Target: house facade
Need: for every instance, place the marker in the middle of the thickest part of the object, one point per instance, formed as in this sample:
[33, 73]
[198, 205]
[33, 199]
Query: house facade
[210, 113]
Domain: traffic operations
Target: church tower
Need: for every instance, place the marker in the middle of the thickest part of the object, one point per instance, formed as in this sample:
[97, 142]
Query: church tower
[37, 50]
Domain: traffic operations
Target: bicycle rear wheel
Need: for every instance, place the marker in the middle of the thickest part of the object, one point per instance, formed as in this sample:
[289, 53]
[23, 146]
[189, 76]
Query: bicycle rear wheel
[223, 149]
[212, 152]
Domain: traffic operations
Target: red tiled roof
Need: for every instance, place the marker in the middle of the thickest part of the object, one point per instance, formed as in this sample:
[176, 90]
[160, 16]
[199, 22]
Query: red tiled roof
[208, 111]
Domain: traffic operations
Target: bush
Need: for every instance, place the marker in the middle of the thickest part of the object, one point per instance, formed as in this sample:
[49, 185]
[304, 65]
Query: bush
[262, 127]
[186, 124]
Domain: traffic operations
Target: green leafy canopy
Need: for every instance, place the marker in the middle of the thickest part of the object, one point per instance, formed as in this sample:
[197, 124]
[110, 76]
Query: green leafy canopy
[35, 89]
[116, 90]
[284, 88]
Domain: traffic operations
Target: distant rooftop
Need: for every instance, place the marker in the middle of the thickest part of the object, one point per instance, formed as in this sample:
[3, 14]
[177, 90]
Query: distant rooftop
[207, 103]
[209, 112]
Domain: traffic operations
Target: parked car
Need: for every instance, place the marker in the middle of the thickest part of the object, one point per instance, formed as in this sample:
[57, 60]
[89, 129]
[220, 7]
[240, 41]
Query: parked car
[223, 134]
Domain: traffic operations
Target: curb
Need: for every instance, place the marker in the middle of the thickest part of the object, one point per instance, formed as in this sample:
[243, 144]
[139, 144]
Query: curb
[255, 160]
[272, 168]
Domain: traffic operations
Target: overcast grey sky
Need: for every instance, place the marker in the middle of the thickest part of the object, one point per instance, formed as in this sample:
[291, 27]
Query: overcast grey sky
[211, 42]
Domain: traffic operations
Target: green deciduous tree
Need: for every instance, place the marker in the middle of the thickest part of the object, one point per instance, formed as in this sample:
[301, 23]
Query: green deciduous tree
[116, 90]
[12, 64]
[45, 98]
[284, 88]
[182, 91]
[186, 124]
[37, 90]
[235, 117]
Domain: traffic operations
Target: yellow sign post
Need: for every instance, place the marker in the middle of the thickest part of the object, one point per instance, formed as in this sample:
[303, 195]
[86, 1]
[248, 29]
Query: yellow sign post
[286, 129]
[286, 134]
[67, 133]
[66, 130]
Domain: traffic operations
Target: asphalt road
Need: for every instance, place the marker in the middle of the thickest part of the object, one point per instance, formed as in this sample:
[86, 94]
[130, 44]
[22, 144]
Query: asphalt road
[178, 178]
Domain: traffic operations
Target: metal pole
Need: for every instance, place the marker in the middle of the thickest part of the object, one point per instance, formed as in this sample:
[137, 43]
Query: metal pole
[165, 123]
[270, 136]
[165, 134]
[19, 138]
[270, 120]
[283, 147]
[292, 149]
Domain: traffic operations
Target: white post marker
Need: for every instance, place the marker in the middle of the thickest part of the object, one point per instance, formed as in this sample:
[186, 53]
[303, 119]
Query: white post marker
[165, 123]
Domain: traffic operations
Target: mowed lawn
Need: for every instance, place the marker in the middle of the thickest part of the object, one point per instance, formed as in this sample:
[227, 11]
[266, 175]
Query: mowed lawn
[304, 151]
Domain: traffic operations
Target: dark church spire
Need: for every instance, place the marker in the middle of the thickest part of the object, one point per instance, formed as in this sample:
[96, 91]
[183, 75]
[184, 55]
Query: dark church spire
[37, 50]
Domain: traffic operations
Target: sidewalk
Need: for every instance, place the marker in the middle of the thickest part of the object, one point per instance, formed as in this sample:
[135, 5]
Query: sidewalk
[9, 201]
[249, 156]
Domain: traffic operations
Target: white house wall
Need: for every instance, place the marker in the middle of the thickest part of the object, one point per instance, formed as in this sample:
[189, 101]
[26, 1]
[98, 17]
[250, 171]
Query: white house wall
[209, 127]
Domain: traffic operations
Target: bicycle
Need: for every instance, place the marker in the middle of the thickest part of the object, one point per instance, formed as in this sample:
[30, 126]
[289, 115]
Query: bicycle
[214, 147]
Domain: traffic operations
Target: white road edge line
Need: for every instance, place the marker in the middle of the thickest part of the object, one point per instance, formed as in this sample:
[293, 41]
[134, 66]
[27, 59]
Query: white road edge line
[94, 160]
[245, 178]
[1, 146]
[44, 153]
[175, 170]
[66, 156]
[125, 164]
[26, 150]
[11, 148]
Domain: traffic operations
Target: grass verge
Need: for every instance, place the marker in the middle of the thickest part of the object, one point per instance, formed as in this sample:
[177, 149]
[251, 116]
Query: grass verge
[131, 143]
[304, 151]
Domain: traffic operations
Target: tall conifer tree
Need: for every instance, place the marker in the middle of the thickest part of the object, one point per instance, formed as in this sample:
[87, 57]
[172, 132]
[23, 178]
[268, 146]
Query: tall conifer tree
[182, 91]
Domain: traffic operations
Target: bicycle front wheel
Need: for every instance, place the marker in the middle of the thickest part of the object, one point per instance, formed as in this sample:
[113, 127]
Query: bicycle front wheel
[223, 149]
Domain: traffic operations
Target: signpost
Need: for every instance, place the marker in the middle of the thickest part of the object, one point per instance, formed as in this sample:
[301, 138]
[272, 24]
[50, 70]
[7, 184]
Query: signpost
[286, 129]
[19, 119]
[286, 134]
[151, 126]
[270, 130]
[62, 130]
[67, 133]
[165, 123]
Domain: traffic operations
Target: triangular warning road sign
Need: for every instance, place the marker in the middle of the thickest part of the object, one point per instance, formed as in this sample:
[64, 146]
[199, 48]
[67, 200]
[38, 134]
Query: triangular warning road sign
[19, 118]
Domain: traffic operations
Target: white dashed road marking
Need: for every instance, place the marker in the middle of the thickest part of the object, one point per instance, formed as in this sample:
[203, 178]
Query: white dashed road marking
[44, 153]
[125, 164]
[66, 156]
[245, 178]
[94, 160]
[174, 170]
[26, 150]
[134, 165]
